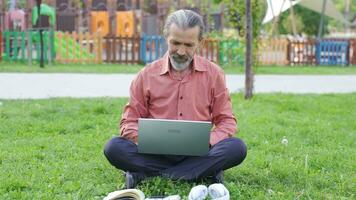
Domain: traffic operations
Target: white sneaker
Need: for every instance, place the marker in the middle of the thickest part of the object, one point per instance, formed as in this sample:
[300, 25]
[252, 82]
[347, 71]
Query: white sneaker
[218, 191]
[199, 192]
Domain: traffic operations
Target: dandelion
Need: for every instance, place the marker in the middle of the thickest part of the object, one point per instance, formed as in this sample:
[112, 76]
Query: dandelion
[270, 191]
[284, 141]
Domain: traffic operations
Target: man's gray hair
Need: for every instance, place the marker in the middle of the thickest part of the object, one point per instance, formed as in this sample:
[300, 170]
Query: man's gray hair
[184, 19]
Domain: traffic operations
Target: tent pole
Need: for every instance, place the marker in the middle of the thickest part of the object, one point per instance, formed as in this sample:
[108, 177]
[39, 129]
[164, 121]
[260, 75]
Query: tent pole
[276, 19]
[321, 25]
[294, 26]
[347, 15]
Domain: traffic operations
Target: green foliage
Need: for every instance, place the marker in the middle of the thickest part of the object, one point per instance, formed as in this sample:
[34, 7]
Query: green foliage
[335, 25]
[53, 149]
[307, 21]
[232, 52]
[236, 14]
[287, 26]
[312, 20]
[340, 4]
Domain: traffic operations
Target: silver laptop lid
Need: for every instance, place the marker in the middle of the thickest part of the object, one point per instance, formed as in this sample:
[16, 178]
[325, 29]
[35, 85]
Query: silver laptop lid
[173, 137]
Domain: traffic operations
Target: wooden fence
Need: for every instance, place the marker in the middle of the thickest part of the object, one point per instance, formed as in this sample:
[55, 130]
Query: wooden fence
[78, 47]
[122, 49]
[302, 52]
[273, 51]
[210, 50]
[59, 47]
[74, 47]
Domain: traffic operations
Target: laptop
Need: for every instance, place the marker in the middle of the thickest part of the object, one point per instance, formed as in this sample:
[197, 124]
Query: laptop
[173, 137]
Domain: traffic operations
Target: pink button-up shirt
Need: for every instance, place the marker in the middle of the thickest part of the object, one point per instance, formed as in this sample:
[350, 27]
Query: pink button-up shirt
[200, 95]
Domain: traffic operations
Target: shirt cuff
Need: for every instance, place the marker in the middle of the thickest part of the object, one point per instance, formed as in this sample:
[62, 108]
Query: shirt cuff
[216, 137]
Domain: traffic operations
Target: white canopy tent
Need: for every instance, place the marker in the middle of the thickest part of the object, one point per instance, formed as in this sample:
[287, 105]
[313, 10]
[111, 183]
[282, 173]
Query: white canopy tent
[276, 7]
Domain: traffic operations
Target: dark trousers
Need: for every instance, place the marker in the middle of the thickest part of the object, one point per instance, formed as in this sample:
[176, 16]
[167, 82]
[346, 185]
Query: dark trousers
[123, 154]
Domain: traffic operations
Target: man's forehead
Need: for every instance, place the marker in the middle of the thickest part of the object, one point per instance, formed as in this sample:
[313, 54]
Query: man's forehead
[191, 33]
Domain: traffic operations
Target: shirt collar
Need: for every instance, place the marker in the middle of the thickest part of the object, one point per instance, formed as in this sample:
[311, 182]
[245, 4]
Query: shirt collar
[197, 66]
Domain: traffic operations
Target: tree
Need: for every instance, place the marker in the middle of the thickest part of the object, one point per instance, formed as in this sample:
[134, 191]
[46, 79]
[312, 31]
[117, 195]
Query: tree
[246, 16]
[39, 2]
[248, 63]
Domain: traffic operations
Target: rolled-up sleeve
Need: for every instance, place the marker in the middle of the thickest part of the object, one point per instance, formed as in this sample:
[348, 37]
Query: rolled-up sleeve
[222, 116]
[134, 109]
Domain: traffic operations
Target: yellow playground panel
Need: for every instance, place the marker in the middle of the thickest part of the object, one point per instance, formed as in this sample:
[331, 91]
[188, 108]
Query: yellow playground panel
[125, 23]
[100, 22]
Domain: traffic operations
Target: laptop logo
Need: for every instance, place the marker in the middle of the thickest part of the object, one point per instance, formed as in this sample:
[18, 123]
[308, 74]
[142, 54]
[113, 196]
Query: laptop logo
[173, 131]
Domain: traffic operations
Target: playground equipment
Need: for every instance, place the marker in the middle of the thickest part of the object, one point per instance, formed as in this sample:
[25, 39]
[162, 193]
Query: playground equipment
[125, 23]
[123, 20]
[99, 22]
[24, 46]
[66, 16]
[231, 51]
[76, 47]
[58, 46]
[15, 20]
[48, 15]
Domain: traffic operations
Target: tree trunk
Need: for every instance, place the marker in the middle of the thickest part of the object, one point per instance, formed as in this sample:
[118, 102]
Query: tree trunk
[248, 57]
[41, 31]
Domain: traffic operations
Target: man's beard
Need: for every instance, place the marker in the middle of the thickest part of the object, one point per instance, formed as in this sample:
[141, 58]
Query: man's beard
[180, 63]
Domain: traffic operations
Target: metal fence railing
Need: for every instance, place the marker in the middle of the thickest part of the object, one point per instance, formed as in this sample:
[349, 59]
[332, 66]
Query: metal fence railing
[152, 48]
[332, 52]
[122, 49]
[273, 51]
[64, 47]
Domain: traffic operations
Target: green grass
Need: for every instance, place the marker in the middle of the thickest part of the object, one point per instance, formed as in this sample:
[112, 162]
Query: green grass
[53, 149]
[300, 70]
[71, 68]
[121, 68]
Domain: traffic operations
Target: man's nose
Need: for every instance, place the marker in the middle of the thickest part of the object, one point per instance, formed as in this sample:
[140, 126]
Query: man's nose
[181, 50]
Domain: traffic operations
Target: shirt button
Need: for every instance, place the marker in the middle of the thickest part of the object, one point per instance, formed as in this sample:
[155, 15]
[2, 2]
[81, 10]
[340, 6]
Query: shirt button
[180, 114]
[181, 97]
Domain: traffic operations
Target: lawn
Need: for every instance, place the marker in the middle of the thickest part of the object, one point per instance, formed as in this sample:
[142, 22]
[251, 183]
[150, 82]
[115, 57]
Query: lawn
[53, 149]
[121, 68]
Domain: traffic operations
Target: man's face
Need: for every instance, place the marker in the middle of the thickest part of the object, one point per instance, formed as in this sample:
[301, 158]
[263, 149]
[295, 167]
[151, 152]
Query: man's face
[182, 45]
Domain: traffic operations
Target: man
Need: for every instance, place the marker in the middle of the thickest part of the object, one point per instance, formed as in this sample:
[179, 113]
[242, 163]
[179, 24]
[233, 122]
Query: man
[181, 86]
